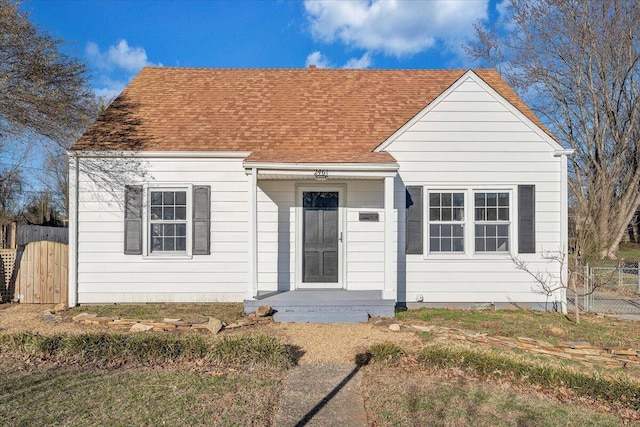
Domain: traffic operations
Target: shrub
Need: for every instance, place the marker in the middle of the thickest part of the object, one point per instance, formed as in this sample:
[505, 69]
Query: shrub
[386, 352]
[150, 348]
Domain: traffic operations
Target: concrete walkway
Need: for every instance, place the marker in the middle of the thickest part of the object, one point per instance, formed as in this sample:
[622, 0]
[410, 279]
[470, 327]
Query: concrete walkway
[322, 394]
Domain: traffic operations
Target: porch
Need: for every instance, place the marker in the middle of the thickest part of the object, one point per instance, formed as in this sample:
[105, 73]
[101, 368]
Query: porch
[324, 306]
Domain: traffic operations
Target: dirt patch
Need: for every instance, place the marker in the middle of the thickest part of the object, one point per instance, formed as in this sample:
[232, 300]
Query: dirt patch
[408, 394]
[16, 318]
[338, 342]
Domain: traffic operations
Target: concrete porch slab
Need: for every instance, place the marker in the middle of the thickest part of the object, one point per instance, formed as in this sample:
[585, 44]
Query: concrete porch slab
[324, 306]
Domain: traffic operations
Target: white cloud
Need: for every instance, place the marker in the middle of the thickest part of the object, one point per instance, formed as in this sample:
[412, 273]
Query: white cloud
[119, 56]
[318, 59]
[115, 66]
[363, 62]
[109, 89]
[394, 27]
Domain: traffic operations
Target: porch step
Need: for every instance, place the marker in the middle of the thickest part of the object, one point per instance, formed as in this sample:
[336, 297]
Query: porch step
[321, 317]
[320, 306]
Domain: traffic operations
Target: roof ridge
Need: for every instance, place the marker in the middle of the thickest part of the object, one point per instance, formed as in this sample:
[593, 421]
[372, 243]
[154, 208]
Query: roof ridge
[451, 70]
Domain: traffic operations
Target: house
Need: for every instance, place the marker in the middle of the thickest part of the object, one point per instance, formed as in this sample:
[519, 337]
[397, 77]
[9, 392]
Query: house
[414, 187]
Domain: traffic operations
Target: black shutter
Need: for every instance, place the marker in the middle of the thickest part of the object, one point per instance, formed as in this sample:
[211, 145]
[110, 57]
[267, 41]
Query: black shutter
[414, 220]
[526, 219]
[133, 220]
[201, 219]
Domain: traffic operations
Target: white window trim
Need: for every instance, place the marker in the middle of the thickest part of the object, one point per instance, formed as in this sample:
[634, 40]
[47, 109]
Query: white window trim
[146, 211]
[497, 222]
[469, 223]
[426, 214]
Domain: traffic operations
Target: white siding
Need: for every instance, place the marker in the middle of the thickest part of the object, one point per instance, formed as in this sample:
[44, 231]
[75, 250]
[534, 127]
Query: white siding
[470, 139]
[106, 274]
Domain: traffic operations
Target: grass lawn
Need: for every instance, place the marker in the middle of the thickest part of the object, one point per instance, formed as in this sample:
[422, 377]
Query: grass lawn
[398, 396]
[533, 324]
[137, 397]
[629, 251]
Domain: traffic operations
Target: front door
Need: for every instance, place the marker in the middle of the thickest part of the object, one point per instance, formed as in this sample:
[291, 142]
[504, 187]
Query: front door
[320, 239]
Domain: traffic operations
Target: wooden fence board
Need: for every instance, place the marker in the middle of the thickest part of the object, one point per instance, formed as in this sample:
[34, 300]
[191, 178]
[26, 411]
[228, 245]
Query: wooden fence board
[42, 273]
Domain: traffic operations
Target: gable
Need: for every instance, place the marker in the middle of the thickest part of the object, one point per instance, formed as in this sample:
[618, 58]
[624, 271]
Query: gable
[471, 110]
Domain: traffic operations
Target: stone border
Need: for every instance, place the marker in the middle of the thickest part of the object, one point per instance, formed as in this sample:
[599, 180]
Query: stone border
[569, 350]
[141, 325]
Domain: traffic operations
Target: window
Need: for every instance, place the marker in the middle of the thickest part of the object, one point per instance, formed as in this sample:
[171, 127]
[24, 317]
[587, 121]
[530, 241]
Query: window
[177, 221]
[492, 223]
[168, 221]
[468, 221]
[446, 222]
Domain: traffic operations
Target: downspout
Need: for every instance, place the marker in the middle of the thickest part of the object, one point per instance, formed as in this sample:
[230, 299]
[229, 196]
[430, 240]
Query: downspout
[74, 174]
[564, 224]
[252, 291]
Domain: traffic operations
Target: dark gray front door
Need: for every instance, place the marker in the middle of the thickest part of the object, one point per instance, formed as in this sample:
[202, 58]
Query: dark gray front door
[320, 236]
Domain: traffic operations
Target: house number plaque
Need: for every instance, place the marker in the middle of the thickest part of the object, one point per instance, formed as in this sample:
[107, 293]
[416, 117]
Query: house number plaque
[321, 173]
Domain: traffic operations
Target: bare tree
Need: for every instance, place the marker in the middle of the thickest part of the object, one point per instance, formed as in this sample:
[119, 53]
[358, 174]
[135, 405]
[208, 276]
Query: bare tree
[11, 189]
[45, 100]
[549, 284]
[578, 64]
[41, 88]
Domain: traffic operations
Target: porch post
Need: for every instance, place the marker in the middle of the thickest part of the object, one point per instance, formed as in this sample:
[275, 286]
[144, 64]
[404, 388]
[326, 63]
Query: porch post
[389, 291]
[252, 289]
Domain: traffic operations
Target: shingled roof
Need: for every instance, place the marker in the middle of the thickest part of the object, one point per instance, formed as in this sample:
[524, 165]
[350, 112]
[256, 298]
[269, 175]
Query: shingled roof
[279, 115]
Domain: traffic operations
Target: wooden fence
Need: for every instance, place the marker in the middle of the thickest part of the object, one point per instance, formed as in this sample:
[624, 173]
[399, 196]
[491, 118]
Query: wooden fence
[35, 233]
[7, 263]
[41, 276]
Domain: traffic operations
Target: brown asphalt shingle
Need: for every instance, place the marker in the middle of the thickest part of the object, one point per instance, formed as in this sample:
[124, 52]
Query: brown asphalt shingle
[279, 115]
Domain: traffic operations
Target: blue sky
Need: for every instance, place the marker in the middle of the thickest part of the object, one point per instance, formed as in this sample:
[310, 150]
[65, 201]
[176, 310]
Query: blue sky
[116, 38]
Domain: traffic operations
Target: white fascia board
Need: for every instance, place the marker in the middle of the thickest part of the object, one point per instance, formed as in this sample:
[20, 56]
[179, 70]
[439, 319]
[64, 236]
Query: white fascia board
[163, 154]
[303, 174]
[477, 79]
[392, 167]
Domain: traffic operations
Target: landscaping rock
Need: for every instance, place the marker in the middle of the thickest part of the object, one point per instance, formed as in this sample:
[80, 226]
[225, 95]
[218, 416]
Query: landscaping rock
[558, 332]
[423, 328]
[394, 327]
[83, 316]
[264, 311]
[139, 327]
[51, 318]
[167, 320]
[60, 307]
[214, 325]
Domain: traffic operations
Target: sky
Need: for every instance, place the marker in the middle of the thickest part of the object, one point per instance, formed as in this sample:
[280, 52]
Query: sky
[117, 38]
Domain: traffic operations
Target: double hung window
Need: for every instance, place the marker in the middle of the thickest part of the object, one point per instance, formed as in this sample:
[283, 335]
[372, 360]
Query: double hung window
[446, 221]
[168, 220]
[492, 221]
[176, 220]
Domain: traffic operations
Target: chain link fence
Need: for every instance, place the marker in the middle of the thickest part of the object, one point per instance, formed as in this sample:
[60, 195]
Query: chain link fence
[609, 287]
